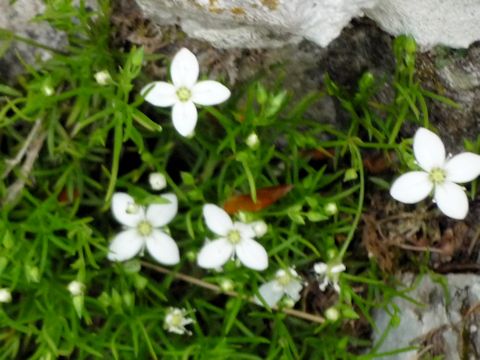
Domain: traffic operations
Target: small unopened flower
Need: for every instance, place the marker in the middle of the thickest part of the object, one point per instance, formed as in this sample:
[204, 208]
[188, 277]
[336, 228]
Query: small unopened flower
[332, 314]
[175, 321]
[286, 282]
[157, 181]
[142, 230]
[185, 92]
[260, 228]
[5, 295]
[103, 77]
[439, 174]
[48, 90]
[331, 208]
[76, 288]
[252, 141]
[235, 239]
[226, 285]
[329, 274]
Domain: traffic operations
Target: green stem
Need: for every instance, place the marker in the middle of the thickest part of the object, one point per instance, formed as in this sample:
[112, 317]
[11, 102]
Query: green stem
[117, 147]
[361, 197]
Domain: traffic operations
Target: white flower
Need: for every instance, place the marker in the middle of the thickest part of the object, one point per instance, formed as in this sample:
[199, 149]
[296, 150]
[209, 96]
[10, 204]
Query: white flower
[439, 174]
[76, 288]
[175, 321]
[102, 77]
[142, 229]
[252, 141]
[5, 295]
[157, 181]
[329, 274]
[260, 228]
[185, 92]
[286, 282]
[236, 238]
[331, 208]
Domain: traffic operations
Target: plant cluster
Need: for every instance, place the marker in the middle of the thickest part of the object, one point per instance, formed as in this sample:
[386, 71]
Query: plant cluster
[263, 206]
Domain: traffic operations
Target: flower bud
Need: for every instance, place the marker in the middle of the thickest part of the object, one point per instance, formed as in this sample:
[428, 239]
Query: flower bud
[252, 141]
[260, 228]
[76, 288]
[5, 295]
[157, 181]
[226, 285]
[102, 77]
[331, 209]
[332, 314]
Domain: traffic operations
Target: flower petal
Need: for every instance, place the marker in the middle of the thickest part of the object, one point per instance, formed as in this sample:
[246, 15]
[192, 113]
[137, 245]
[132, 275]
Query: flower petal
[161, 214]
[252, 254]
[428, 148]
[184, 117]
[270, 293]
[246, 230]
[125, 211]
[452, 200]
[217, 219]
[411, 187]
[293, 289]
[125, 245]
[209, 92]
[160, 93]
[215, 253]
[163, 248]
[463, 167]
[184, 69]
[320, 268]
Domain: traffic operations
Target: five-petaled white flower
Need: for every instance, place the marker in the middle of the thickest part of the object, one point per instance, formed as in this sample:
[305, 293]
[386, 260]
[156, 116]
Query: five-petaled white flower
[439, 174]
[236, 238]
[286, 282]
[175, 321]
[185, 92]
[142, 229]
[329, 274]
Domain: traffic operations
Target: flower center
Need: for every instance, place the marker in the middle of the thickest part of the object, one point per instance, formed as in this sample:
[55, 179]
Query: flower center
[284, 278]
[234, 237]
[144, 228]
[176, 319]
[184, 94]
[437, 176]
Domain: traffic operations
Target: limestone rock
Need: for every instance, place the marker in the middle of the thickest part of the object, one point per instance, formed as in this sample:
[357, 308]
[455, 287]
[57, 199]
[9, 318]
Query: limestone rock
[445, 322]
[257, 23]
[432, 22]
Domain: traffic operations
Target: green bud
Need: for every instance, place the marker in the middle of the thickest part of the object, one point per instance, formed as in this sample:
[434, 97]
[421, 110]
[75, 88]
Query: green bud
[350, 174]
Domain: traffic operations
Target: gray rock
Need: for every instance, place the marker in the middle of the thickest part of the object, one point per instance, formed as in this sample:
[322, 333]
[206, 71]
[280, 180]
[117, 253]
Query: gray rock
[271, 23]
[257, 23]
[431, 22]
[445, 322]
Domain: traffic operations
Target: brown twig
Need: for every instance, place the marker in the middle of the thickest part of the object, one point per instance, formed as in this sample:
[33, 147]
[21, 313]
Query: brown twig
[215, 288]
[31, 152]
[11, 163]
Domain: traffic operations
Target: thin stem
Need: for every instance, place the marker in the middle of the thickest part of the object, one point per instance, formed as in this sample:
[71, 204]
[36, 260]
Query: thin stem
[11, 163]
[32, 152]
[361, 197]
[215, 288]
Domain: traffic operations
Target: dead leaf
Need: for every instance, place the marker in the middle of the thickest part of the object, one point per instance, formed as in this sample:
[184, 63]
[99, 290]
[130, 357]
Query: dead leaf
[265, 197]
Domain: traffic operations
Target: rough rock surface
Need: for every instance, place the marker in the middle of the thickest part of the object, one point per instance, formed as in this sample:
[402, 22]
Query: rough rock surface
[445, 322]
[270, 23]
[432, 22]
[17, 17]
[257, 23]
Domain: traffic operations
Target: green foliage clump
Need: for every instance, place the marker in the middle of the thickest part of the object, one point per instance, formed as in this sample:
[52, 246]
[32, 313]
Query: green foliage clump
[68, 143]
